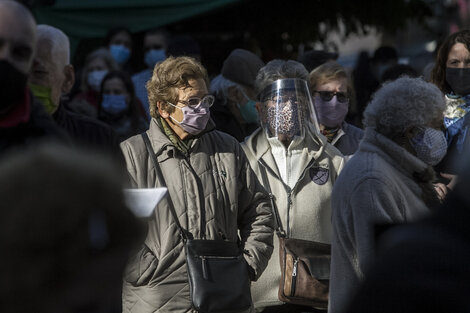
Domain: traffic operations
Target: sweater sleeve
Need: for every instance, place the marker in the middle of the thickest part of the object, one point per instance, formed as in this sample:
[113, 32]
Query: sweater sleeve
[373, 203]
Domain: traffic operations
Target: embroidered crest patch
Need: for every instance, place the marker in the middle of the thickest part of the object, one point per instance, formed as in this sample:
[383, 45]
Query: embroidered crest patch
[319, 175]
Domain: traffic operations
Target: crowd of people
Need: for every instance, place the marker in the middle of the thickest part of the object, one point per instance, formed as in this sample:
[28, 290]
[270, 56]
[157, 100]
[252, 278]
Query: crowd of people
[264, 152]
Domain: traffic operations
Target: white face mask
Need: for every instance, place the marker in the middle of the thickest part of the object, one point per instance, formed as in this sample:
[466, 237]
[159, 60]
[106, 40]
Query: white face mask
[430, 145]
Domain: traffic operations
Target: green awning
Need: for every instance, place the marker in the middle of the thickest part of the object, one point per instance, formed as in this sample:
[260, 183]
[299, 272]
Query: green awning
[81, 19]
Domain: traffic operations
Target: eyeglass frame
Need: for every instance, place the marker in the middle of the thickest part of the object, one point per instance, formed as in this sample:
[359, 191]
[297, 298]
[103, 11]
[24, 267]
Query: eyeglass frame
[186, 103]
[333, 94]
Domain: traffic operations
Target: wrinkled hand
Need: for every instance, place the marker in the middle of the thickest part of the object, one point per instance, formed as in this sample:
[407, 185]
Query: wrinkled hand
[452, 180]
[441, 190]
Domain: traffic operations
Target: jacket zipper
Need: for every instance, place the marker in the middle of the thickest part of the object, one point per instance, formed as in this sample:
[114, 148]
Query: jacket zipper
[288, 190]
[294, 277]
[205, 272]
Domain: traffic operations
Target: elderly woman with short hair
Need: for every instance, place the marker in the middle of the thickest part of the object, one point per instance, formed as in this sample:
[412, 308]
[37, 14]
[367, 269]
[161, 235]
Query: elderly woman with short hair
[333, 93]
[300, 166]
[389, 179]
[216, 195]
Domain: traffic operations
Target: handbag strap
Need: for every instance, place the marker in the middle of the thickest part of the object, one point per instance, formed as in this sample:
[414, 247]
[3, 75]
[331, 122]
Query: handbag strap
[280, 231]
[161, 179]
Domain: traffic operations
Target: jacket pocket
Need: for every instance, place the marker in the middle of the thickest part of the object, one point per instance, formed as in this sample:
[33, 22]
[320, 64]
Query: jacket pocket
[141, 267]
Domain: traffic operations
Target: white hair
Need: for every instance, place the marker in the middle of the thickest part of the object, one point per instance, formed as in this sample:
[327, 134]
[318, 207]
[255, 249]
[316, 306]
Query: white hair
[60, 44]
[404, 103]
[279, 69]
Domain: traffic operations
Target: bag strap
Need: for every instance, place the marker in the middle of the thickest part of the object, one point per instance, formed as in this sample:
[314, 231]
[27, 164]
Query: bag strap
[280, 231]
[161, 179]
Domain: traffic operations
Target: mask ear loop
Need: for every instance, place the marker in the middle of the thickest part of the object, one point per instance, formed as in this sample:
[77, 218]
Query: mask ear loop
[179, 123]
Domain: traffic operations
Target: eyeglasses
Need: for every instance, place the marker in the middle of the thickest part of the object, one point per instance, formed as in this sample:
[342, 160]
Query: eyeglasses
[194, 102]
[328, 95]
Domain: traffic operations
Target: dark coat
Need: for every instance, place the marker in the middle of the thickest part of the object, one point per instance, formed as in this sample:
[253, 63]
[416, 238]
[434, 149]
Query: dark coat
[86, 131]
[40, 127]
[423, 267]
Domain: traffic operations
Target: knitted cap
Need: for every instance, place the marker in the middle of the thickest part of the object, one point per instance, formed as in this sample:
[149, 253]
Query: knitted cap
[242, 66]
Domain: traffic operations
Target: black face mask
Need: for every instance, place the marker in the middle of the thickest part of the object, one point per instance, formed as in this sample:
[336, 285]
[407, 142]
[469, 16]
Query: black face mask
[12, 85]
[459, 80]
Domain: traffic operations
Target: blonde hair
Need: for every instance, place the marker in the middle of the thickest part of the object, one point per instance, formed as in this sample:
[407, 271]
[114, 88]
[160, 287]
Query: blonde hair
[168, 76]
[328, 72]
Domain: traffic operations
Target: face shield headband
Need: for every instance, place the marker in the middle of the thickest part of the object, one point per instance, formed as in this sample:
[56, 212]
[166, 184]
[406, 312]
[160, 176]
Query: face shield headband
[286, 108]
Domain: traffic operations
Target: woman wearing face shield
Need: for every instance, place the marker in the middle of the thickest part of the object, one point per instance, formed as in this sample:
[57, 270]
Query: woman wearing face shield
[332, 93]
[300, 167]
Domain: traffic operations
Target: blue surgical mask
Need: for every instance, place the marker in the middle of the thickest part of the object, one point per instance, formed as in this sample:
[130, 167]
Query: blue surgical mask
[248, 110]
[95, 78]
[114, 104]
[430, 145]
[154, 56]
[120, 53]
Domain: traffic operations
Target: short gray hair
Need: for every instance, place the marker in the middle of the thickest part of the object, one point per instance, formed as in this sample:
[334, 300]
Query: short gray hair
[404, 103]
[60, 44]
[279, 69]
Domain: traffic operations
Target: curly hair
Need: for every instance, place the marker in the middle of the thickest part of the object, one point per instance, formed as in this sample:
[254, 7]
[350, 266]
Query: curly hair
[403, 103]
[168, 76]
[438, 74]
[278, 69]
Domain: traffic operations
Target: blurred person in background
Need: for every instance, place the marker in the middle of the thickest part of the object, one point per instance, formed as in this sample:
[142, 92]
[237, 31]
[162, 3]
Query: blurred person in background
[23, 120]
[384, 58]
[451, 74]
[97, 64]
[427, 261]
[65, 232]
[301, 168]
[119, 107]
[118, 40]
[389, 179]
[155, 46]
[398, 70]
[209, 180]
[314, 58]
[52, 76]
[367, 75]
[234, 111]
[333, 92]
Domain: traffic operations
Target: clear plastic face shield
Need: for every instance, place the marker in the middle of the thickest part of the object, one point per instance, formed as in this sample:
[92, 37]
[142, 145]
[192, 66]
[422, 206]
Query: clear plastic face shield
[287, 109]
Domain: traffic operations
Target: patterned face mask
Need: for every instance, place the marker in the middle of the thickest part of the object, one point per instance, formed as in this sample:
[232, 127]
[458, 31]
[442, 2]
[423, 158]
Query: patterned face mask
[430, 145]
[284, 121]
[285, 108]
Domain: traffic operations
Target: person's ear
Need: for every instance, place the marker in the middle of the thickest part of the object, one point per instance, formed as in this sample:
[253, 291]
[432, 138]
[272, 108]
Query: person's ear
[259, 107]
[163, 113]
[69, 80]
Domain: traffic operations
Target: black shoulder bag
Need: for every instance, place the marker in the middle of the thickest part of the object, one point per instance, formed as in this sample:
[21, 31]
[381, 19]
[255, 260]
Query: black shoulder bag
[305, 265]
[217, 271]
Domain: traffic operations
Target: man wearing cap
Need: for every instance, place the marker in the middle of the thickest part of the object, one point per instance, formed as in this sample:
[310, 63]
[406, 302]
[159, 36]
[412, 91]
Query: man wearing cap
[234, 110]
[300, 166]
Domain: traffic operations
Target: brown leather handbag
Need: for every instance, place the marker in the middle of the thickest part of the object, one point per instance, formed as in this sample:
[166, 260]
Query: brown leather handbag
[305, 265]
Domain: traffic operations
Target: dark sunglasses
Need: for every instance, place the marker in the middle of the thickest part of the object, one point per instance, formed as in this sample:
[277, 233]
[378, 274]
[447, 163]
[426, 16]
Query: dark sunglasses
[328, 95]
